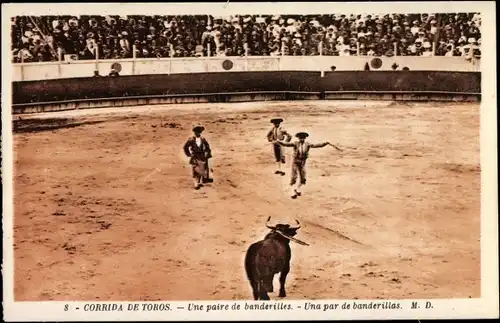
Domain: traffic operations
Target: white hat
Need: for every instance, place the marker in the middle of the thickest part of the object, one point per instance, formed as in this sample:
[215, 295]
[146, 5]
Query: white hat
[290, 21]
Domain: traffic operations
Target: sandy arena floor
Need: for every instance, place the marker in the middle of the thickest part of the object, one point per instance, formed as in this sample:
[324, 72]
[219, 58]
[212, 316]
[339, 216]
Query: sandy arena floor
[105, 209]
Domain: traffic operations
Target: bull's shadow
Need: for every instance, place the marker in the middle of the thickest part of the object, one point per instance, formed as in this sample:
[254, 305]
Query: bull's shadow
[268, 257]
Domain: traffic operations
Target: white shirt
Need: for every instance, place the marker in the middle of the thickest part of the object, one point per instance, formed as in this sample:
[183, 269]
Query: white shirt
[344, 53]
[198, 141]
[124, 44]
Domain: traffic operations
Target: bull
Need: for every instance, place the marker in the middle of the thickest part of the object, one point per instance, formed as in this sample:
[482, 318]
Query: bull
[268, 257]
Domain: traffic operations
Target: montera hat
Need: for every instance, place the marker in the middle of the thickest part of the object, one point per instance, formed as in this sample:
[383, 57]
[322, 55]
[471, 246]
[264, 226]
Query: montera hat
[198, 128]
[276, 120]
[302, 135]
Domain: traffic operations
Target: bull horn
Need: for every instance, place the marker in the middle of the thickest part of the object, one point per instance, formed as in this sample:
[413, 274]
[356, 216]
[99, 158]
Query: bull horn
[269, 226]
[298, 225]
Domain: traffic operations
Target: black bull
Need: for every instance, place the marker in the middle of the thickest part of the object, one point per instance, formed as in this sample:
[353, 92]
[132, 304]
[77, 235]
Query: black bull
[268, 257]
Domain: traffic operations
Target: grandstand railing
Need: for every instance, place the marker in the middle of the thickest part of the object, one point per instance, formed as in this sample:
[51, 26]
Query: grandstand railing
[182, 65]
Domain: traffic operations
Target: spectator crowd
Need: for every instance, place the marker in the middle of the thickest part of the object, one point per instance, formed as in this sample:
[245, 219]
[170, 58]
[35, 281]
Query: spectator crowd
[50, 38]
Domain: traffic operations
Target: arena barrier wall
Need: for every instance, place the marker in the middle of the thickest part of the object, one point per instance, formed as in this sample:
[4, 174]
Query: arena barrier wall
[90, 92]
[57, 70]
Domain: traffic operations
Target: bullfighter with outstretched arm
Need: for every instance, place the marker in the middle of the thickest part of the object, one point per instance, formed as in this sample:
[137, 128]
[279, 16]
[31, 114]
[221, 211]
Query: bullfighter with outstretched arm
[199, 152]
[277, 132]
[300, 154]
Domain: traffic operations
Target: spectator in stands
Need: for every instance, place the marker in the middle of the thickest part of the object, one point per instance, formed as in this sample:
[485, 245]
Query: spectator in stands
[113, 37]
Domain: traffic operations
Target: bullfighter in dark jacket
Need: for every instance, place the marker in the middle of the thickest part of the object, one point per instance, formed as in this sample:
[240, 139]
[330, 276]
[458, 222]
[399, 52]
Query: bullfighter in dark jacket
[199, 152]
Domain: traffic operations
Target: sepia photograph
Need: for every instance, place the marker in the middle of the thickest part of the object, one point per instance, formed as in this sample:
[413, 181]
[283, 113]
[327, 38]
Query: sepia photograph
[166, 156]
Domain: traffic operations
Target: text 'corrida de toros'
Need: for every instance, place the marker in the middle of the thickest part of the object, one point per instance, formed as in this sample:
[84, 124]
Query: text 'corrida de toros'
[127, 307]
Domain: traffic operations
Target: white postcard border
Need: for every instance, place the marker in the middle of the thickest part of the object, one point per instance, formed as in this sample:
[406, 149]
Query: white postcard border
[484, 307]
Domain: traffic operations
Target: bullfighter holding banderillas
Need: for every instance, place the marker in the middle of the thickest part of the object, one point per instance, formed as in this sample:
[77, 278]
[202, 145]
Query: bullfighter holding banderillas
[300, 155]
[278, 133]
[199, 152]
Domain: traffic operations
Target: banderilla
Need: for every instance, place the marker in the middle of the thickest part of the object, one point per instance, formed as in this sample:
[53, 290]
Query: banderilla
[335, 147]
